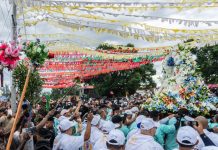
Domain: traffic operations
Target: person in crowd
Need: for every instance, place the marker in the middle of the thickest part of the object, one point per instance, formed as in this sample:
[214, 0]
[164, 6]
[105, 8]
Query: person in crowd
[95, 132]
[145, 139]
[129, 118]
[107, 127]
[214, 122]
[115, 140]
[6, 123]
[165, 134]
[136, 130]
[187, 138]
[66, 141]
[103, 115]
[112, 124]
[203, 122]
[118, 122]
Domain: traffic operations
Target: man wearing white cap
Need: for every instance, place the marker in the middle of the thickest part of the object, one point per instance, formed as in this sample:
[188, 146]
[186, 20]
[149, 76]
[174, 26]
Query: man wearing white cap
[115, 140]
[145, 139]
[187, 138]
[95, 132]
[65, 140]
[137, 130]
[106, 128]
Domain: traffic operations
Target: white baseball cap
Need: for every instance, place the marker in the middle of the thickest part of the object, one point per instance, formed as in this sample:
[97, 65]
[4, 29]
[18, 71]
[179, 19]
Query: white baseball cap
[187, 136]
[64, 111]
[65, 124]
[61, 118]
[96, 120]
[128, 112]
[107, 127]
[139, 119]
[147, 124]
[135, 109]
[116, 137]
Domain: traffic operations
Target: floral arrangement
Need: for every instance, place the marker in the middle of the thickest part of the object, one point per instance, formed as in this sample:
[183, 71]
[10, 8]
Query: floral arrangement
[36, 52]
[9, 55]
[182, 87]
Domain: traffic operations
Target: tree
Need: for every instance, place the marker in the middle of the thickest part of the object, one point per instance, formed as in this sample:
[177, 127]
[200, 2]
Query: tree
[130, 45]
[35, 82]
[207, 62]
[125, 81]
[58, 93]
[105, 46]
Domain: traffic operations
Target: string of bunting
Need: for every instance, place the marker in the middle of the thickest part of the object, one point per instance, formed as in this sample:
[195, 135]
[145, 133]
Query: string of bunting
[69, 43]
[189, 23]
[92, 5]
[98, 55]
[125, 34]
[93, 13]
[48, 14]
[59, 74]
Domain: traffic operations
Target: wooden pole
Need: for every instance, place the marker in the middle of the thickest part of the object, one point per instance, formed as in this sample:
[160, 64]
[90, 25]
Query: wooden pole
[18, 110]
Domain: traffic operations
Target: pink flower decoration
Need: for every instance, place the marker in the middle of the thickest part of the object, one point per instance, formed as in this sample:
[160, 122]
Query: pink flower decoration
[9, 55]
[3, 46]
[8, 51]
[13, 43]
[15, 52]
[12, 66]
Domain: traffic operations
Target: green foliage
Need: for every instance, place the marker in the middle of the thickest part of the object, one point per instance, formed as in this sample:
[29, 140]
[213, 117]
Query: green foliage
[35, 82]
[105, 46]
[207, 62]
[36, 52]
[124, 81]
[58, 93]
[130, 45]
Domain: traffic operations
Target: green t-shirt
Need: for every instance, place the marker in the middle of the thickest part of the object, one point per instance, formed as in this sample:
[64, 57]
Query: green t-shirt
[125, 130]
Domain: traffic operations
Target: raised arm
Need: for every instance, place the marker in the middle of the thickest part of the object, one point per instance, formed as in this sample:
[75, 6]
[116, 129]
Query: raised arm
[88, 127]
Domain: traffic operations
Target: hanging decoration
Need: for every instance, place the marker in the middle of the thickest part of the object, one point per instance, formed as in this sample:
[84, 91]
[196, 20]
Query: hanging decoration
[94, 14]
[120, 50]
[65, 67]
[133, 32]
[188, 22]
[125, 25]
[9, 55]
[131, 6]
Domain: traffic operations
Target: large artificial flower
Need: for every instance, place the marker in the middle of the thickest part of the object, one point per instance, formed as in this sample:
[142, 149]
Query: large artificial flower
[9, 55]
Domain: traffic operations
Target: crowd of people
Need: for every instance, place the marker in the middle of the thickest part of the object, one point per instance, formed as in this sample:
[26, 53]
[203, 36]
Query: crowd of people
[101, 124]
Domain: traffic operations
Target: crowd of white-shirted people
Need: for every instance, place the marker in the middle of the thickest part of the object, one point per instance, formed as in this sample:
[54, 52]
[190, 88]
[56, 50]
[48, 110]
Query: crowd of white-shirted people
[106, 124]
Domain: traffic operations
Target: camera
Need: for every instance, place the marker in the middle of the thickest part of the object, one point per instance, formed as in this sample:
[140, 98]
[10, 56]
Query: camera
[189, 122]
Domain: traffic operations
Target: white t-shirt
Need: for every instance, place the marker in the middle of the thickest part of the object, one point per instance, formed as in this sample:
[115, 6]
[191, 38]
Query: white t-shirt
[101, 143]
[66, 142]
[142, 142]
[133, 132]
[96, 134]
[212, 136]
[101, 123]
